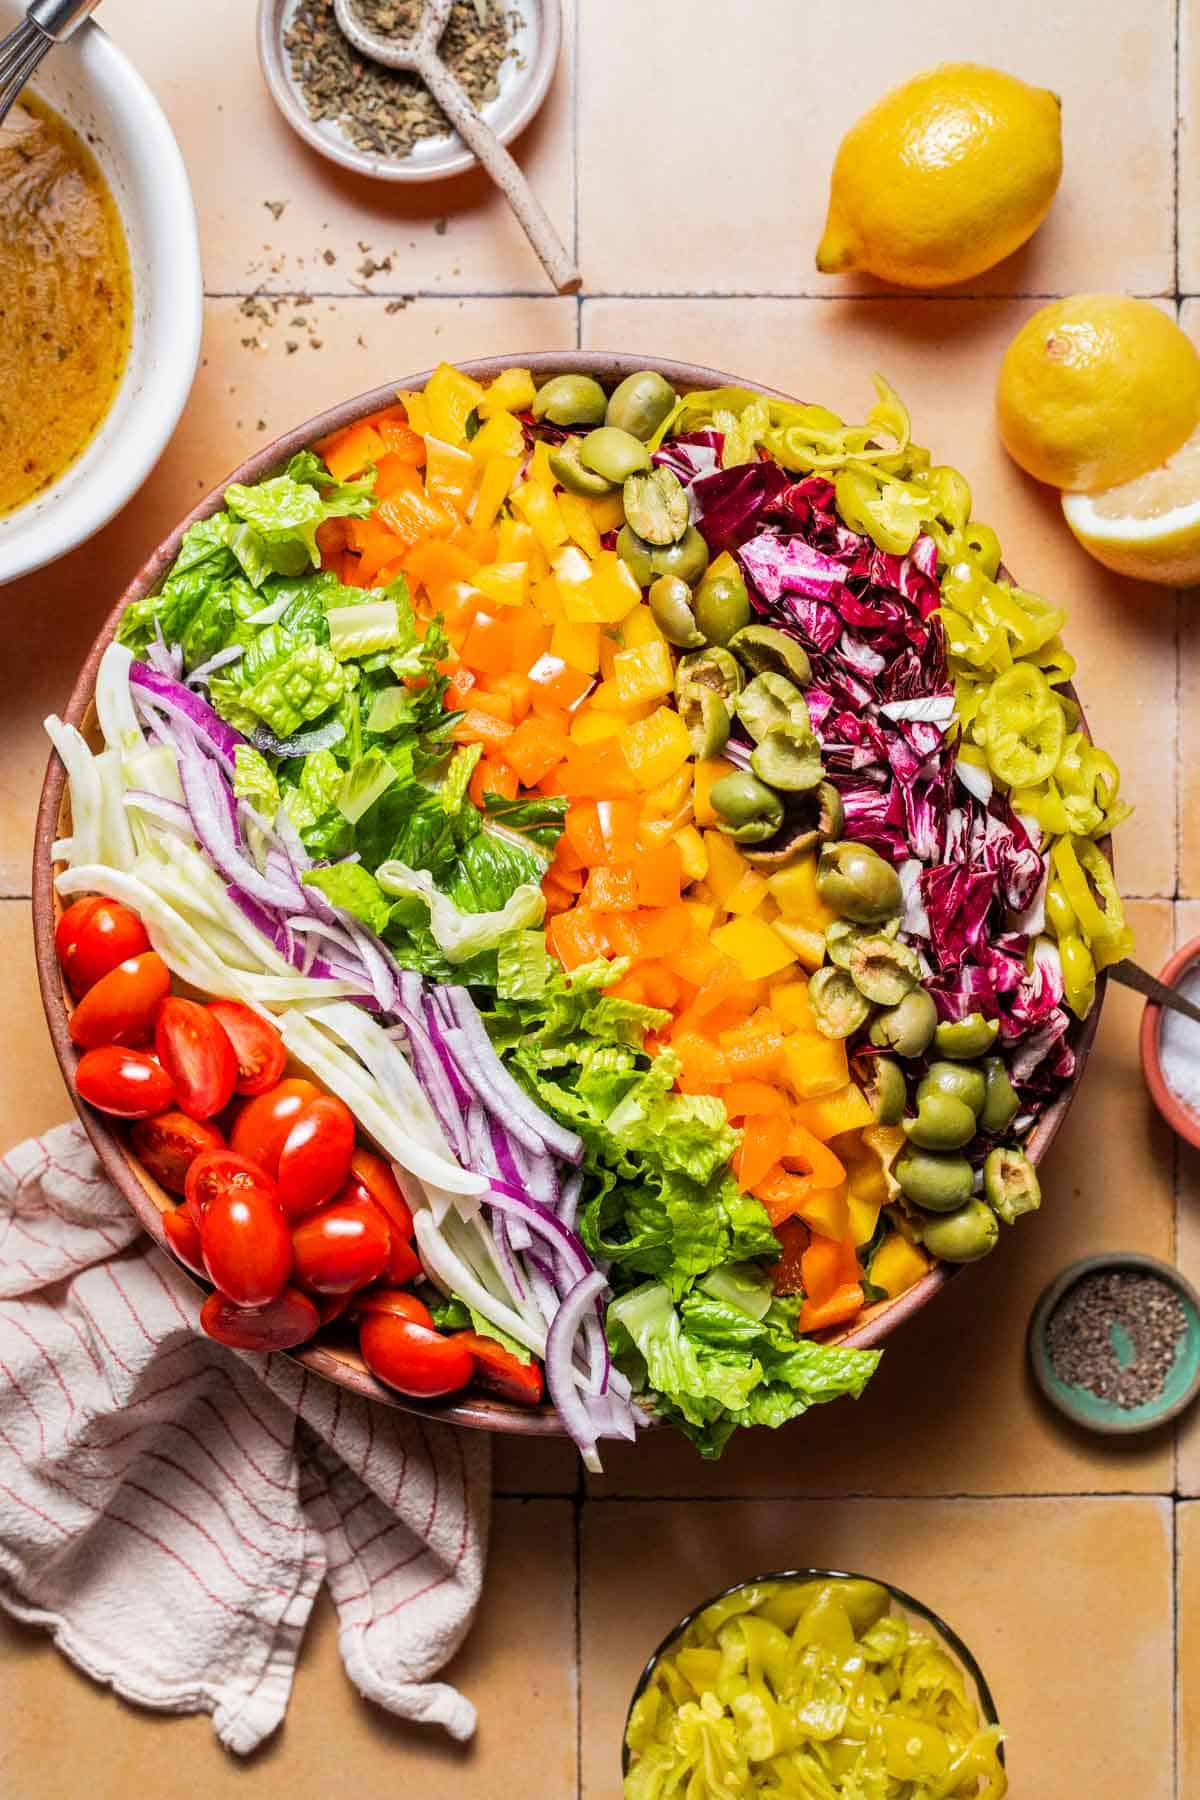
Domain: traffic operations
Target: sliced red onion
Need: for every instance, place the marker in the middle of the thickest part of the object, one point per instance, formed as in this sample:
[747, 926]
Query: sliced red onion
[479, 1142]
[524, 1118]
[171, 813]
[378, 964]
[412, 991]
[434, 1080]
[209, 800]
[305, 743]
[181, 704]
[166, 658]
[544, 1224]
[572, 1408]
[568, 1200]
[545, 1290]
[505, 1249]
[542, 1181]
[437, 1037]
[231, 653]
[505, 1160]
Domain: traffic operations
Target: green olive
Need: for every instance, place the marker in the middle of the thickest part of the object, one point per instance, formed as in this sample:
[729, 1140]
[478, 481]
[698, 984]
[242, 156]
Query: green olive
[963, 1236]
[722, 603]
[856, 882]
[614, 454]
[882, 969]
[833, 813]
[1000, 1104]
[842, 936]
[934, 1179]
[961, 1080]
[771, 700]
[887, 1090]
[655, 505]
[688, 559]
[965, 1039]
[567, 469]
[707, 719]
[640, 403]
[571, 400]
[764, 649]
[908, 1028]
[711, 668]
[789, 757]
[1010, 1183]
[942, 1123]
[837, 1006]
[746, 809]
[636, 553]
[671, 609]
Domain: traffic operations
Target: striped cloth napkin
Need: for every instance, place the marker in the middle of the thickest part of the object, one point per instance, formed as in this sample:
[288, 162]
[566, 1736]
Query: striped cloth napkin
[169, 1508]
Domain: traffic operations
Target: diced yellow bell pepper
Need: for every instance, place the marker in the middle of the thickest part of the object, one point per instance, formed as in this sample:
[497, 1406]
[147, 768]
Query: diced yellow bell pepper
[844, 1110]
[827, 1212]
[702, 914]
[578, 645]
[669, 795]
[726, 864]
[897, 1266]
[505, 583]
[615, 591]
[501, 436]
[789, 1002]
[864, 1216]
[515, 541]
[450, 473]
[707, 774]
[606, 697]
[640, 628]
[656, 747]
[808, 945]
[795, 888]
[693, 857]
[747, 897]
[451, 398]
[645, 673]
[499, 473]
[607, 510]
[814, 1066]
[417, 408]
[539, 466]
[548, 601]
[538, 507]
[511, 391]
[591, 726]
[579, 522]
[754, 947]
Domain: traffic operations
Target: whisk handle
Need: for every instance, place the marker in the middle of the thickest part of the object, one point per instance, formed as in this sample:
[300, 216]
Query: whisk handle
[57, 19]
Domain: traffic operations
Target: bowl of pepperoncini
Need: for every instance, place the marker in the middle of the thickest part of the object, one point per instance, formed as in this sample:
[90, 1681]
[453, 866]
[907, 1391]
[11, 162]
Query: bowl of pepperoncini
[813, 1681]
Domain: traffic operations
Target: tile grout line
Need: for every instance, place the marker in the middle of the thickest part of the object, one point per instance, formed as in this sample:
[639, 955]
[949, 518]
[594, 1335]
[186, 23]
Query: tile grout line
[1176, 1718]
[302, 291]
[1169, 1495]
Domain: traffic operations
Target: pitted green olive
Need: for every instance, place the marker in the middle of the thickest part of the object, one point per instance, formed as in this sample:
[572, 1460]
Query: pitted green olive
[614, 454]
[688, 559]
[567, 469]
[908, 1028]
[640, 403]
[963, 1236]
[934, 1179]
[765, 649]
[636, 553]
[965, 1039]
[887, 1090]
[1010, 1183]
[571, 400]
[771, 700]
[842, 936]
[722, 603]
[856, 882]
[942, 1123]
[789, 757]
[1000, 1105]
[707, 719]
[747, 810]
[711, 668]
[655, 505]
[961, 1080]
[882, 969]
[837, 1006]
[671, 609]
[833, 813]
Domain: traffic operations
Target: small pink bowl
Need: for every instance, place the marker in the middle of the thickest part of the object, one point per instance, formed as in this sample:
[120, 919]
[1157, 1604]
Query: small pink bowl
[1179, 1116]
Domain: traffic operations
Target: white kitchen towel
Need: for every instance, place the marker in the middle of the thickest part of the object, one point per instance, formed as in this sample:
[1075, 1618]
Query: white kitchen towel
[169, 1508]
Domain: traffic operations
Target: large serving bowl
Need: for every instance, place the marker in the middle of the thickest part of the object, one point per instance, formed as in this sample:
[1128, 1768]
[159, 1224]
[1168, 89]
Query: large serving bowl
[93, 86]
[333, 1358]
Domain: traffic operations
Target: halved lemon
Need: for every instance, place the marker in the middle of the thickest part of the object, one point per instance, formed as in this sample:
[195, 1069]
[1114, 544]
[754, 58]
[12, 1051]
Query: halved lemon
[1148, 528]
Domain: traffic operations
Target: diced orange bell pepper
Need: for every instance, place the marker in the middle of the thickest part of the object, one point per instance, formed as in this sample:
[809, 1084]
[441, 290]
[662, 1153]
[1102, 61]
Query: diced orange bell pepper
[708, 773]
[750, 1052]
[349, 453]
[658, 876]
[497, 706]
[662, 988]
[400, 440]
[693, 959]
[839, 1309]
[743, 1099]
[476, 727]
[826, 1117]
[394, 473]
[828, 1266]
[554, 686]
[592, 772]
[376, 547]
[611, 888]
[433, 562]
[491, 778]
[577, 645]
[581, 829]
[413, 514]
[630, 987]
[461, 681]
[577, 937]
[617, 820]
[333, 535]
[505, 583]
[763, 1138]
[487, 647]
[530, 636]
[786, 1276]
[534, 748]
[814, 1158]
[515, 689]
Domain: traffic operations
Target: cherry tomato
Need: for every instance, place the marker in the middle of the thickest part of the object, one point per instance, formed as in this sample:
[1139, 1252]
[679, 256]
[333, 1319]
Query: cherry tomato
[375, 1175]
[196, 1054]
[262, 1126]
[282, 1325]
[413, 1359]
[331, 1307]
[403, 1264]
[342, 1247]
[127, 1083]
[315, 1158]
[500, 1372]
[218, 1172]
[167, 1144]
[392, 1300]
[93, 936]
[247, 1249]
[183, 1235]
[120, 1007]
[261, 1057]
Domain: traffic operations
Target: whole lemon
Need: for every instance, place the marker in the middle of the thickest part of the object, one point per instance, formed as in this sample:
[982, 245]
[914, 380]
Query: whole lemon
[946, 175]
[1096, 389]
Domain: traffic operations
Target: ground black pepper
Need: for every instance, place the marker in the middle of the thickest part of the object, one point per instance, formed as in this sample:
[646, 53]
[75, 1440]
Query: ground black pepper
[1142, 1314]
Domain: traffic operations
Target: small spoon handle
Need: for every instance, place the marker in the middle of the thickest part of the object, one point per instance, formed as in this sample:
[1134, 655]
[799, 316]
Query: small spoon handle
[1132, 975]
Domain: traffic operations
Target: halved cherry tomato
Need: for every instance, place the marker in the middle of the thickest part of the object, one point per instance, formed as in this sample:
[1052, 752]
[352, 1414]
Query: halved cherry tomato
[413, 1359]
[342, 1247]
[170, 1142]
[93, 936]
[120, 1007]
[282, 1325]
[262, 1126]
[331, 1306]
[217, 1172]
[403, 1264]
[315, 1158]
[500, 1372]
[375, 1175]
[247, 1246]
[394, 1300]
[261, 1057]
[127, 1083]
[197, 1055]
[183, 1235]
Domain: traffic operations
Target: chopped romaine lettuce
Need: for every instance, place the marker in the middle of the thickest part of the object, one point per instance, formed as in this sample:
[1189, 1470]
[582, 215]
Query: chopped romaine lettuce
[353, 890]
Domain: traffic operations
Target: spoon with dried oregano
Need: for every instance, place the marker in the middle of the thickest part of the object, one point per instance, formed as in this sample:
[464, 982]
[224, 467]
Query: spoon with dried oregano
[420, 54]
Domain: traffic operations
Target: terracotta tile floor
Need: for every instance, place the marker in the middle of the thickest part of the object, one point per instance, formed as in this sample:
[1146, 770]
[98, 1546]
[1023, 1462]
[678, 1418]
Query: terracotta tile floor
[694, 200]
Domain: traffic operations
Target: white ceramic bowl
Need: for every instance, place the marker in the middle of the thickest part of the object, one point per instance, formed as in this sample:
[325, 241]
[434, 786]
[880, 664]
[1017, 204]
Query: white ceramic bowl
[98, 91]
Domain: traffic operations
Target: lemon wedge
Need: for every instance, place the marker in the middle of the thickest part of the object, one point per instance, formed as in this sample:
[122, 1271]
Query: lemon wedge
[1148, 528]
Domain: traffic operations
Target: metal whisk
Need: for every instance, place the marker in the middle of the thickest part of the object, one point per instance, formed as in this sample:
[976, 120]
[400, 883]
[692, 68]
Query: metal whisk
[46, 23]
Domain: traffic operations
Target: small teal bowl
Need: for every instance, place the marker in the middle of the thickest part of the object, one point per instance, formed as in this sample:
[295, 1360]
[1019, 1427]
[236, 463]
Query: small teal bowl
[1080, 1404]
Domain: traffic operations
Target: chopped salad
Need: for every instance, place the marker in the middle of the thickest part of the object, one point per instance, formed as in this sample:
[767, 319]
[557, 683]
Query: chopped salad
[661, 829]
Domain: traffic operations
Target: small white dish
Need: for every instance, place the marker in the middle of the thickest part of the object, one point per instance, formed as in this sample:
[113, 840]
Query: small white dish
[537, 38]
[97, 90]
